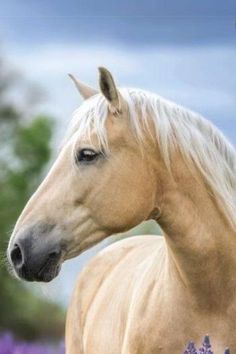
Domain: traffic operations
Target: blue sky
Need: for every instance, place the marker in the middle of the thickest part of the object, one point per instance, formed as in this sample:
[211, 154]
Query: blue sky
[128, 23]
[185, 51]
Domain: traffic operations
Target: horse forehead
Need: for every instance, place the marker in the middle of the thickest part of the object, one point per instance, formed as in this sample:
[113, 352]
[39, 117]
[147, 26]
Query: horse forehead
[117, 129]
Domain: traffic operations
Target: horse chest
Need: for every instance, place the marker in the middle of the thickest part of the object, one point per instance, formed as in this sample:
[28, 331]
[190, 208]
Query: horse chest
[158, 330]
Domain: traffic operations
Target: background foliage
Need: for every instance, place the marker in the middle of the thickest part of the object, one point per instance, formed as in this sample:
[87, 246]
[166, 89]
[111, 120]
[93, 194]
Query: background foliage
[24, 151]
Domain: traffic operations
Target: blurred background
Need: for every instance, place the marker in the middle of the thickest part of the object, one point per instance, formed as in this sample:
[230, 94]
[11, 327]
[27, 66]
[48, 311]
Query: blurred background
[185, 51]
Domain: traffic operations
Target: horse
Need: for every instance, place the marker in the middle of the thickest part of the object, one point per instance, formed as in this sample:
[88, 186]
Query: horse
[131, 156]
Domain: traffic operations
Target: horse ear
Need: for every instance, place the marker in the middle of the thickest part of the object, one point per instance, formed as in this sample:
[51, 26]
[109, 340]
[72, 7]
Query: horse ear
[109, 90]
[85, 90]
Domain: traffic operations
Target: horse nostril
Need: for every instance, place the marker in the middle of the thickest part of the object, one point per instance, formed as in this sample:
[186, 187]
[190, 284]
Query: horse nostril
[16, 255]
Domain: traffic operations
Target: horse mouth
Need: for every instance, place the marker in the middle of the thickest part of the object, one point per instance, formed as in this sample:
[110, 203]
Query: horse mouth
[45, 274]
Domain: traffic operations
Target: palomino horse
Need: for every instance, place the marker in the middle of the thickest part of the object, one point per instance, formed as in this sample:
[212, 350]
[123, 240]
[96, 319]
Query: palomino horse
[131, 156]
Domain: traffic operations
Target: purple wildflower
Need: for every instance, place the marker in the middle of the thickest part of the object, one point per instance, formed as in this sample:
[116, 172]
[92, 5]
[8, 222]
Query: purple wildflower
[191, 349]
[205, 349]
[8, 345]
[206, 346]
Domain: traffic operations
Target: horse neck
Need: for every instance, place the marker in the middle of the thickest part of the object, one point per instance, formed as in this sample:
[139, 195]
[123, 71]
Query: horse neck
[200, 241]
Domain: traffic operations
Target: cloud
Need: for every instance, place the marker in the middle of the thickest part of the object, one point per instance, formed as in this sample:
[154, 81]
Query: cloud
[198, 77]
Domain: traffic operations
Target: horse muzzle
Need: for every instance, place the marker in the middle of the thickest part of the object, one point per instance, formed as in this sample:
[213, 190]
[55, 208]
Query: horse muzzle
[34, 256]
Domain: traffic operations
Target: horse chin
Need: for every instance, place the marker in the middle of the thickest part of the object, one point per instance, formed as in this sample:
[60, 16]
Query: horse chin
[48, 275]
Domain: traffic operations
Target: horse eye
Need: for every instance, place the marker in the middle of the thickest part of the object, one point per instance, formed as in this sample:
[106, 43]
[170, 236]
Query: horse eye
[86, 156]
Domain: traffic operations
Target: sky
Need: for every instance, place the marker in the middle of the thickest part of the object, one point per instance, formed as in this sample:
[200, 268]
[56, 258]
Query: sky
[182, 50]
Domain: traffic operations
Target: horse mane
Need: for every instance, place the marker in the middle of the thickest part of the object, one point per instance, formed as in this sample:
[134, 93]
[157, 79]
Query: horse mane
[200, 142]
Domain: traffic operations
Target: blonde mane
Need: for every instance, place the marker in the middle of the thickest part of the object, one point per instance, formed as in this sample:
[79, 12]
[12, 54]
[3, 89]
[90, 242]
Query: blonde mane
[199, 141]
